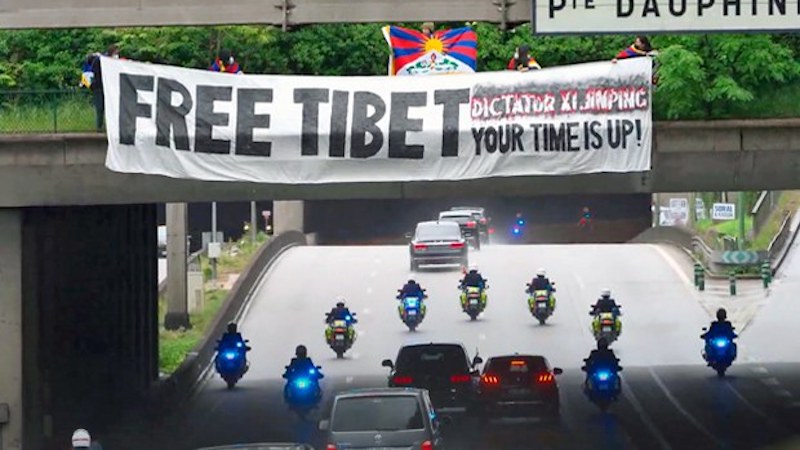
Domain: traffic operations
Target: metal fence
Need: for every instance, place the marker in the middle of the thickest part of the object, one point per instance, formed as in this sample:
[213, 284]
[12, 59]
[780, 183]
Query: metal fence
[46, 111]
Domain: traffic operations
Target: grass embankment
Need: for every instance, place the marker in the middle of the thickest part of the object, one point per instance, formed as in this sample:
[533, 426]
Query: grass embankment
[175, 345]
[712, 232]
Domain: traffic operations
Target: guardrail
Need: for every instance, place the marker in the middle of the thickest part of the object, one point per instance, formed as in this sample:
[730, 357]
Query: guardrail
[766, 203]
[779, 246]
[192, 263]
[181, 383]
[46, 111]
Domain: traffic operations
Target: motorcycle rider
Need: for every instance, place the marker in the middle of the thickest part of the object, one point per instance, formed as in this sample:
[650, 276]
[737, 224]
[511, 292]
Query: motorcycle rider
[541, 283]
[473, 278]
[231, 338]
[301, 363]
[720, 327]
[340, 312]
[81, 440]
[602, 356]
[412, 289]
[606, 304]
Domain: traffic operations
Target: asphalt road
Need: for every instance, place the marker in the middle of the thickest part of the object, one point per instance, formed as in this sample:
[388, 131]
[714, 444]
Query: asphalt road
[671, 400]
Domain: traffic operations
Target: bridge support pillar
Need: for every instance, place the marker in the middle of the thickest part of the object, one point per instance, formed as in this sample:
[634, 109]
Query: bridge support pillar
[11, 329]
[289, 215]
[177, 294]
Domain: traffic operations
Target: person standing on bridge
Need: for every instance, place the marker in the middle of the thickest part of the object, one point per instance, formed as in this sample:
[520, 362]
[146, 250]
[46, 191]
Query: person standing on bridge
[427, 29]
[641, 47]
[226, 62]
[97, 86]
[522, 60]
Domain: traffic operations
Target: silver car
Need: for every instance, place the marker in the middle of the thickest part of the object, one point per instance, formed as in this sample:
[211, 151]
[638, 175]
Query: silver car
[388, 418]
[437, 243]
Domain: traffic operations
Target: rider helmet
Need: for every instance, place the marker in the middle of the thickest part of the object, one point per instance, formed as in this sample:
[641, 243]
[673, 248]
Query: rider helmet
[722, 315]
[81, 439]
[473, 267]
[232, 328]
[540, 272]
[301, 351]
[411, 281]
[340, 302]
[605, 292]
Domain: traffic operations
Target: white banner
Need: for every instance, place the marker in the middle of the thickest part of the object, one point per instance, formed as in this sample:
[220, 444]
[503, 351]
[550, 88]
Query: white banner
[203, 125]
[663, 16]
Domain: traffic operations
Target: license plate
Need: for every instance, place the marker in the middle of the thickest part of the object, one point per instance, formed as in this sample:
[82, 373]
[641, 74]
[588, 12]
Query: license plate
[413, 312]
[607, 329]
[542, 306]
[519, 392]
[473, 301]
[339, 337]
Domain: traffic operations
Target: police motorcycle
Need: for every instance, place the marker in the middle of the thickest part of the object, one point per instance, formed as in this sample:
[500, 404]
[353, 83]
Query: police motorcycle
[473, 300]
[603, 384]
[541, 303]
[231, 360]
[411, 309]
[340, 334]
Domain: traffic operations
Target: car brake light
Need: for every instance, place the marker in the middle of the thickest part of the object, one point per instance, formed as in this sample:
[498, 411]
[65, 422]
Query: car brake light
[545, 378]
[402, 380]
[491, 230]
[420, 246]
[457, 245]
[460, 379]
[330, 447]
[517, 363]
[483, 221]
[426, 446]
[490, 380]
[471, 224]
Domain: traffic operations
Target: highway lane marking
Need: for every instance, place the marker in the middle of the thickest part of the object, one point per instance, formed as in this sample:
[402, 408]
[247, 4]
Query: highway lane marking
[683, 410]
[782, 393]
[366, 311]
[369, 290]
[674, 265]
[762, 370]
[648, 422]
[373, 274]
[349, 380]
[772, 381]
[754, 408]
[482, 337]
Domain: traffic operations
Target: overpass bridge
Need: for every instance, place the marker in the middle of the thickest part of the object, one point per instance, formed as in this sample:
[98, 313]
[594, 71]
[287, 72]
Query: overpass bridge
[78, 265]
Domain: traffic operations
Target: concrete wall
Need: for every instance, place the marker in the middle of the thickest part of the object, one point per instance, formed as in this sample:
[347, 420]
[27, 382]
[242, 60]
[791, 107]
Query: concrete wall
[90, 294]
[687, 157]
[82, 13]
[11, 344]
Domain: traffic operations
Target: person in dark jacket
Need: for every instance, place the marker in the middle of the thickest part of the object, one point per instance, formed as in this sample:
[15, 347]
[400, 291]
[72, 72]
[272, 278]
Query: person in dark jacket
[98, 98]
[606, 304]
[411, 289]
[522, 60]
[541, 283]
[340, 312]
[473, 278]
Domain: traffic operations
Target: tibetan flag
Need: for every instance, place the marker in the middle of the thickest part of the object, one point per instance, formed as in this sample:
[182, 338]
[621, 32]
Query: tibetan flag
[447, 51]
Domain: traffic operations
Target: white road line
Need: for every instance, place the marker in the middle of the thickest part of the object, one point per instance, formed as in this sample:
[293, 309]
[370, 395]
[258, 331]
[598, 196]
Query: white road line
[369, 291]
[752, 407]
[673, 264]
[648, 422]
[349, 380]
[760, 369]
[482, 337]
[782, 393]
[772, 381]
[366, 311]
[682, 410]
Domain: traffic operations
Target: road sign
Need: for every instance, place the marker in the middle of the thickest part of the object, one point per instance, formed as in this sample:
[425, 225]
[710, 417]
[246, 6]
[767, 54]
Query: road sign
[723, 211]
[740, 257]
[700, 208]
[679, 208]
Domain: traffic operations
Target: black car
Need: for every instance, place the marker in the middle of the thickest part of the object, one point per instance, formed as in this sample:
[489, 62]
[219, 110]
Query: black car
[466, 222]
[482, 220]
[437, 243]
[516, 385]
[444, 369]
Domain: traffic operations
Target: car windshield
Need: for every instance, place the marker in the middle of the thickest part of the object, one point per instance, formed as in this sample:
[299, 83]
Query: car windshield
[377, 413]
[516, 365]
[431, 232]
[432, 359]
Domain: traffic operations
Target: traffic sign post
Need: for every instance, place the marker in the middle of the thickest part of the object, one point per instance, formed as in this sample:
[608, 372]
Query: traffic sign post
[699, 277]
[766, 274]
[732, 282]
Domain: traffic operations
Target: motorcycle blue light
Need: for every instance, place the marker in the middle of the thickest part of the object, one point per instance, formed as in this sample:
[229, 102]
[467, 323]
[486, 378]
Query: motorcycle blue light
[301, 383]
[516, 230]
[311, 371]
[721, 342]
[230, 355]
[348, 318]
[603, 375]
[521, 222]
[411, 303]
[239, 344]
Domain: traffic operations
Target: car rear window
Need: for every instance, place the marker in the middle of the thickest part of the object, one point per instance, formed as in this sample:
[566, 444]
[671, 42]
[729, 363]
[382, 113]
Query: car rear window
[516, 365]
[377, 413]
[432, 359]
[437, 231]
